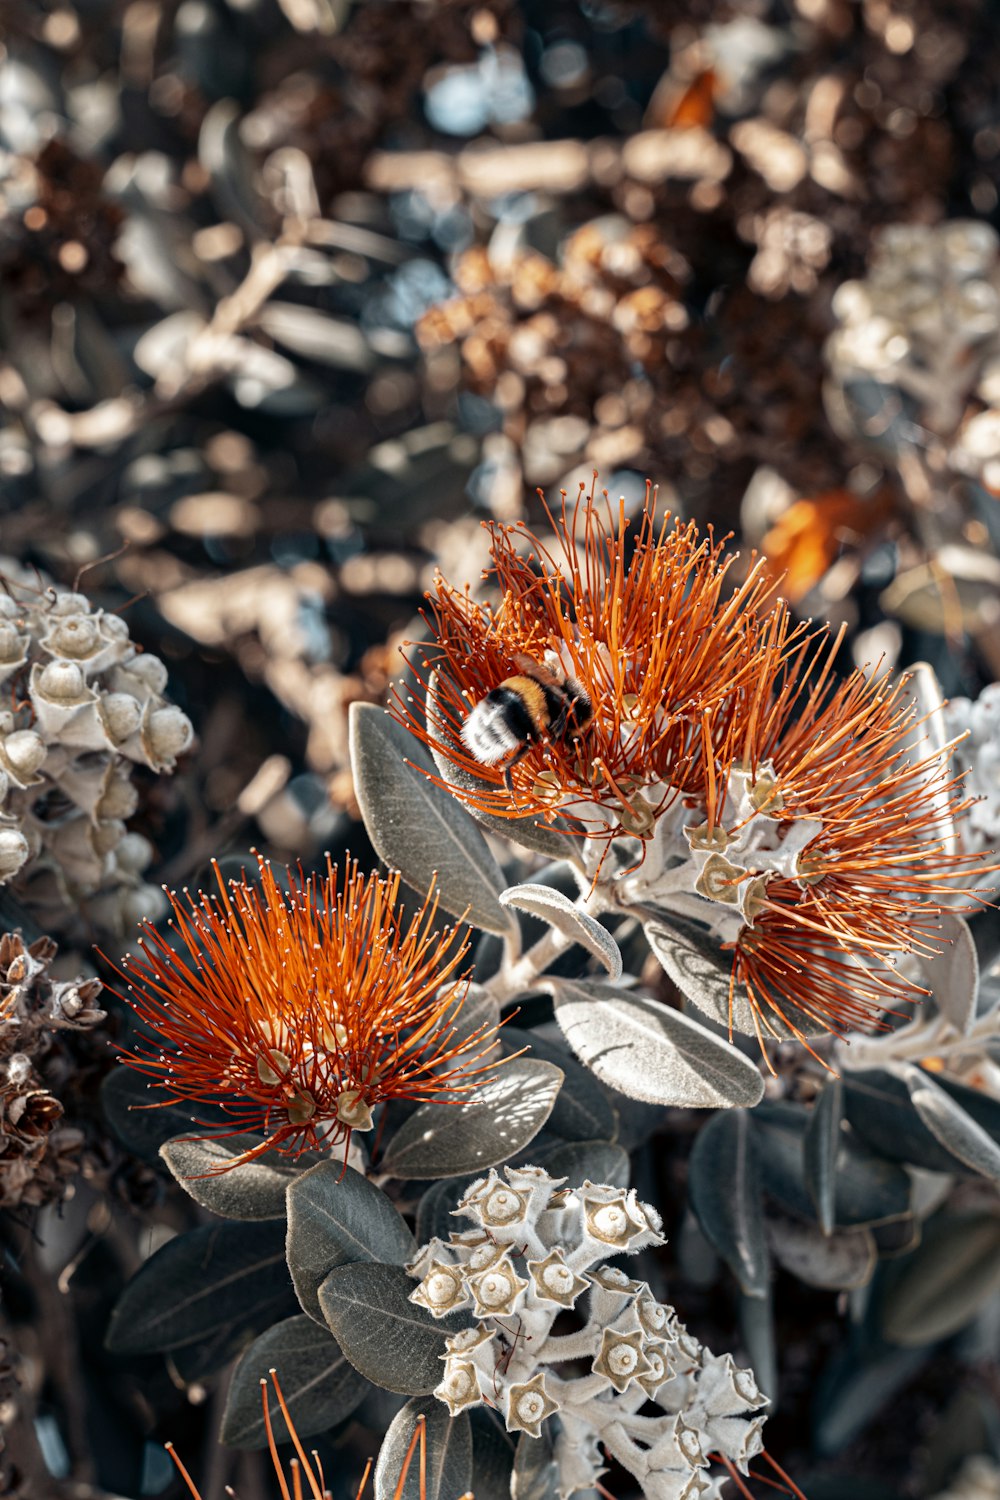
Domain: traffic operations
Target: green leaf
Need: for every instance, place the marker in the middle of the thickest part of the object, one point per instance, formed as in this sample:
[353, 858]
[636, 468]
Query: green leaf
[820, 1146]
[493, 1450]
[416, 827]
[582, 1111]
[940, 1287]
[953, 974]
[319, 1385]
[724, 1187]
[601, 1161]
[221, 1276]
[881, 1112]
[756, 1317]
[131, 1108]
[336, 1218]
[434, 1211]
[856, 1394]
[530, 833]
[869, 1189]
[536, 1474]
[253, 1191]
[703, 974]
[565, 916]
[387, 1338]
[838, 1261]
[496, 1123]
[650, 1052]
[948, 1122]
[448, 1445]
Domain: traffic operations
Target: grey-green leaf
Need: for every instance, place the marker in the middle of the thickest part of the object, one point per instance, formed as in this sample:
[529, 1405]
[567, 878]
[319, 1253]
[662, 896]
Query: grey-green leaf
[319, 1385]
[496, 1123]
[703, 974]
[220, 1276]
[838, 1261]
[447, 1466]
[582, 1111]
[940, 1287]
[724, 1186]
[388, 1339]
[563, 914]
[878, 1105]
[416, 827]
[335, 1220]
[948, 1122]
[255, 1190]
[820, 1145]
[601, 1161]
[953, 974]
[536, 1475]
[868, 1189]
[650, 1052]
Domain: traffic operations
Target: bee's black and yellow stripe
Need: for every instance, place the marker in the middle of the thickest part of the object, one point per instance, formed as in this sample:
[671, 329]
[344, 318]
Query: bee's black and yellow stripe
[529, 705]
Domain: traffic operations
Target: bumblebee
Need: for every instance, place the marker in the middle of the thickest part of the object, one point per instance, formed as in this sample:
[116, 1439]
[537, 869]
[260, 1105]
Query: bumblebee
[539, 702]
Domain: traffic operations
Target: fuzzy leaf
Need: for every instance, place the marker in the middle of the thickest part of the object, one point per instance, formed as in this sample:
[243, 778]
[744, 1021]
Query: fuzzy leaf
[601, 1161]
[953, 974]
[416, 827]
[319, 1385]
[388, 1339]
[878, 1105]
[448, 1454]
[535, 1476]
[725, 1191]
[335, 1220]
[650, 1052]
[703, 974]
[582, 1111]
[127, 1099]
[530, 833]
[447, 1140]
[940, 1287]
[253, 1191]
[868, 1188]
[838, 1261]
[820, 1145]
[434, 1211]
[948, 1122]
[221, 1276]
[560, 912]
[493, 1449]
[857, 1394]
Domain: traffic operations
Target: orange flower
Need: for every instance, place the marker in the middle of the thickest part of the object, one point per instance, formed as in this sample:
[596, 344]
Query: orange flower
[649, 628]
[881, 860]
[301, 1010]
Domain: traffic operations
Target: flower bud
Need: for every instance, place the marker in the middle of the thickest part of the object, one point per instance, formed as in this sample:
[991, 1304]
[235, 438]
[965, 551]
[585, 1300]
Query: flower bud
[13, 851]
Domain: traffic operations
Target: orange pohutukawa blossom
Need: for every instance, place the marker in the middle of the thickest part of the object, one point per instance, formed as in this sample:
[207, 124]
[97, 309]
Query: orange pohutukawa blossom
[646, 624]
[300, 1010]
[798, 820]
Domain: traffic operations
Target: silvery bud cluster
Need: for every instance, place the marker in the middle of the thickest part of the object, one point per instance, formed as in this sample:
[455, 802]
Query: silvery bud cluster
[86, 705]
[926, 319]
[978, 756]
[534, 1254]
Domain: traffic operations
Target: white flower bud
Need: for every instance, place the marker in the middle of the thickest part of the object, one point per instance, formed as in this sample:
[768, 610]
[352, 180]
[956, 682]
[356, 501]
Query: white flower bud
[168, 734]
[145, 903]
[74, 636]
[13, 645]
[13, 851]
[62, 682]
[120, 799]
[70, 604]
[24, 751]
[122, 715]
[134, 854]
[150, 671]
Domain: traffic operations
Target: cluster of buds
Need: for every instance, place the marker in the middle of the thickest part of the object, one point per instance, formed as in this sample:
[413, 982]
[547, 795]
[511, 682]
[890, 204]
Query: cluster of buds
[86, 705]
[37, 1153]
[722, 775]
[533, 1255]
[926, 321]
[976, 728]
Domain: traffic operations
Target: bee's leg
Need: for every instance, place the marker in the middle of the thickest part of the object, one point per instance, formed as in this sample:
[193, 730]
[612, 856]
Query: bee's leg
[508, 780]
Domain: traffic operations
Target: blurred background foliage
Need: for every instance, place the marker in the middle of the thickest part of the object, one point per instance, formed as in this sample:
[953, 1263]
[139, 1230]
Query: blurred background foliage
[293, 293]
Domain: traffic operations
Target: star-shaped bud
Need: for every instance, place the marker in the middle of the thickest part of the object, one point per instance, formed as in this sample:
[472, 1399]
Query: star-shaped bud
[482, 1257]
[441, 1290]
[653, 1315]
[554, 1281]
[739, 1438]
[724, 1390]
[619, 1219]
[425, 1257]
[528, 1406]
[658, 1357]
[614, 1280]
[467, 1339]
[497, 1291]
[460, 1386]
[620, 1358]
